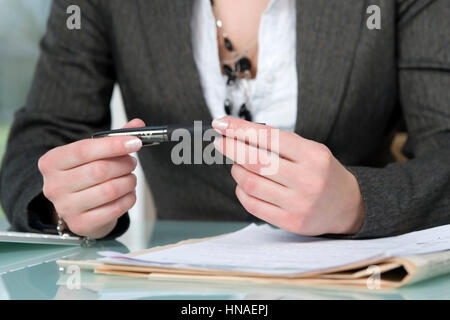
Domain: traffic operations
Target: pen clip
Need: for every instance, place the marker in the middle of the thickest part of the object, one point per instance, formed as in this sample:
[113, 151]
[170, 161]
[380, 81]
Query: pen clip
[149, 144]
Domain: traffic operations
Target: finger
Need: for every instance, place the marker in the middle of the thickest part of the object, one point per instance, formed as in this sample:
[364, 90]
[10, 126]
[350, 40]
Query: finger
[96, 172]
[135, 123]
[88, 150]
[261, 209]
[103, 193]
[84, 151]
[91, 221]
[260, 187]
[259, 161]
[287, 144]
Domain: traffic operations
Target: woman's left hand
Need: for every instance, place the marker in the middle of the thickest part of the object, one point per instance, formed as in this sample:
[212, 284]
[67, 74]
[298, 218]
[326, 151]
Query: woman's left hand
[298, 186]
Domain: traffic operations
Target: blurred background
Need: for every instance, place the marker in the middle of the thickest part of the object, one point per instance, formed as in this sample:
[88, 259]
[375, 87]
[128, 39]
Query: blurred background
[22, 25]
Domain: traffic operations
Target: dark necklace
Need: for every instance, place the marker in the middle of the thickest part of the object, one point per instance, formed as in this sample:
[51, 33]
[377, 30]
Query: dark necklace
[236, 68]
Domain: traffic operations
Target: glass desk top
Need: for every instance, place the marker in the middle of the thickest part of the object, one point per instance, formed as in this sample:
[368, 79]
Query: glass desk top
[29, 271]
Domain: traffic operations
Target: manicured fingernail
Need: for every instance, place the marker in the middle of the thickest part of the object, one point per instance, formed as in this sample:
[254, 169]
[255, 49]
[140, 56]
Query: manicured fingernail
[133, 144]
[220, 124]
[134, 161]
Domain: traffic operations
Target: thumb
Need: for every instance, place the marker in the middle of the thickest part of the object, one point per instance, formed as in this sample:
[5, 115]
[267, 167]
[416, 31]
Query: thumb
[135, 123]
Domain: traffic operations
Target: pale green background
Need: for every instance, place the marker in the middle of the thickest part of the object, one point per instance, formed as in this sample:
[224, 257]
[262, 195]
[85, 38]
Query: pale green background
[22, 24]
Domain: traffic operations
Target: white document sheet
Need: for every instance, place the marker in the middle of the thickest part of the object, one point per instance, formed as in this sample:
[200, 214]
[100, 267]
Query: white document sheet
[267, 250]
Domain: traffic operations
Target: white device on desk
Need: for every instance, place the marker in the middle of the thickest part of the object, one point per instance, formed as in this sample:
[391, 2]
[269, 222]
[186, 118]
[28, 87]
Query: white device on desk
[38, 238]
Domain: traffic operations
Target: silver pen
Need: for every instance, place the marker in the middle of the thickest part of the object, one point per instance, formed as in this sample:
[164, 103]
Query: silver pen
[154, 134]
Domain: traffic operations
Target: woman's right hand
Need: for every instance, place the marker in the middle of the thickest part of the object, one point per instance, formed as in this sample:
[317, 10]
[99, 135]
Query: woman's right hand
[90, 182]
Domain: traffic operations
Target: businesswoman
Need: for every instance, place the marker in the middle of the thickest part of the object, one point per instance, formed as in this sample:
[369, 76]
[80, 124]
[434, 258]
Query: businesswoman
[334, 83]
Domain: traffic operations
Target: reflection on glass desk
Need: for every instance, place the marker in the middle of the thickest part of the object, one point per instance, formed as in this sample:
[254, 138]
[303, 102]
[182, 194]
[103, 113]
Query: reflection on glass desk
[29, 271]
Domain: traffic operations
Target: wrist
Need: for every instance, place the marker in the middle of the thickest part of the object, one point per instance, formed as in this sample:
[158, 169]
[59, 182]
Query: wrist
[54, 216]
[355, 217]
[350, 212]
[358, 217]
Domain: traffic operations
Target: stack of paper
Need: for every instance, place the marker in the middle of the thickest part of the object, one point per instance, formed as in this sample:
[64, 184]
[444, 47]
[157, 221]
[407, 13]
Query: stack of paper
[269, 255]
[264, 252]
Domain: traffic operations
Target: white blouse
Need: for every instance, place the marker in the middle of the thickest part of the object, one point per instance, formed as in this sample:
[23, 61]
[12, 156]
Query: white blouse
[273, 92]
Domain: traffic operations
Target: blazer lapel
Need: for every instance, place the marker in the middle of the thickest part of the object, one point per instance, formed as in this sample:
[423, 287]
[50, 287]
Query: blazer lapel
[327, 38]
[167, 30]
[166, 25]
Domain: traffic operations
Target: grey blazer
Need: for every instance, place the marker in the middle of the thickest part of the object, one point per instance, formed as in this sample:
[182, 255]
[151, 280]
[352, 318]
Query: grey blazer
[355, 86]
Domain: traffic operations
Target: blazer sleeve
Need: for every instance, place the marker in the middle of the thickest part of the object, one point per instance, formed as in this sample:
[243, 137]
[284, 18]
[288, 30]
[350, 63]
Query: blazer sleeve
[416, 195]
[69, 99]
